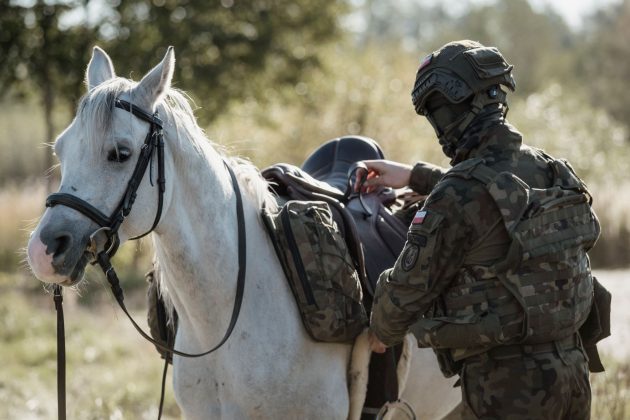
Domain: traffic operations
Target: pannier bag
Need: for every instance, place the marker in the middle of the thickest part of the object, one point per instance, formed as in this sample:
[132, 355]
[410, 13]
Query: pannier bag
[319, 270]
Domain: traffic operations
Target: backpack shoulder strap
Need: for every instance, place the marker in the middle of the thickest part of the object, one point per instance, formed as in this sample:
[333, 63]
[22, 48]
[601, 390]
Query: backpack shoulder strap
[509, 192]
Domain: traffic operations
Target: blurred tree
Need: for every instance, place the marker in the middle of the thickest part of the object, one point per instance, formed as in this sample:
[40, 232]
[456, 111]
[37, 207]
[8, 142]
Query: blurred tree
[538, 44]
[604, 63]
[227, 50]
[38, 53]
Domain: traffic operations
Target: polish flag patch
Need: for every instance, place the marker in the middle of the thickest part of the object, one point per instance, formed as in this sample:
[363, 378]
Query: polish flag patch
[418, 219]
[425, 61]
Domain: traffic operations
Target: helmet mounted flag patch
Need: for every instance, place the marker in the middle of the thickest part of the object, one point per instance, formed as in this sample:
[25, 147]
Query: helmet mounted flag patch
[425, 61]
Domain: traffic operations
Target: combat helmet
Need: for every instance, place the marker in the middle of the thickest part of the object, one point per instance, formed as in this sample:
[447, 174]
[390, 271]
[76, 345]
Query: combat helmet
[464, 72]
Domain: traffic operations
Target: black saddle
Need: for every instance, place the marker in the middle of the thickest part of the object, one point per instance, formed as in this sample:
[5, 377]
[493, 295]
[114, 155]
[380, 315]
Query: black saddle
[381, 234]
[374, 235]
[332, 161]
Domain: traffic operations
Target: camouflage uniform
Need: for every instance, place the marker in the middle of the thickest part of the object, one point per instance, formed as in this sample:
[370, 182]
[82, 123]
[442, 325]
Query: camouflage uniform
[442, 271]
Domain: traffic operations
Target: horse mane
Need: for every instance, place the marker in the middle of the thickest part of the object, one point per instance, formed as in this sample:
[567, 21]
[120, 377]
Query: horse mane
[95, 113]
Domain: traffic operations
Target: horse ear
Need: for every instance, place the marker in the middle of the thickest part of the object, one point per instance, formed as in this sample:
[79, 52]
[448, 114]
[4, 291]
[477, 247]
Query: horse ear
[100, 69]
[154, 84]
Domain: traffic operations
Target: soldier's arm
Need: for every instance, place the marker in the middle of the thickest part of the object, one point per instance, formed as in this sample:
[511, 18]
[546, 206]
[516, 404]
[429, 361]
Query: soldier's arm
[436, 244]
[424, 176]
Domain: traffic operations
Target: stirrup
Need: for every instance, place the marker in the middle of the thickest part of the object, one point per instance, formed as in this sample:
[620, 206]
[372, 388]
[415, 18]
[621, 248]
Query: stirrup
[400, 405]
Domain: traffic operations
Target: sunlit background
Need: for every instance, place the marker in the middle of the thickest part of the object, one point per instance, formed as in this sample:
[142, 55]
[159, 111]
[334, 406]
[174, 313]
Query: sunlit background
[271, 80]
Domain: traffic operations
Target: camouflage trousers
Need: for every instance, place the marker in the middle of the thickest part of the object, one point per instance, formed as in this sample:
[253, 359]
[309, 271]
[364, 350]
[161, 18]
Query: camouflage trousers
[534, 386]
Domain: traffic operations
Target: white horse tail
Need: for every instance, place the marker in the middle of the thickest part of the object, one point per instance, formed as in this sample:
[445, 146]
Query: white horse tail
[404, 364]
[358, 374]
[401, 409]
[359, 365]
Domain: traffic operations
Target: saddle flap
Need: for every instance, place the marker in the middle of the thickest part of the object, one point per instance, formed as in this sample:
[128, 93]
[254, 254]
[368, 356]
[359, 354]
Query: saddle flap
[382, 235]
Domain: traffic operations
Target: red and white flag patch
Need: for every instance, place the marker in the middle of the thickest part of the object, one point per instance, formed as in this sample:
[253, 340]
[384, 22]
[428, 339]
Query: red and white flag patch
[418, 219]
[425, 61]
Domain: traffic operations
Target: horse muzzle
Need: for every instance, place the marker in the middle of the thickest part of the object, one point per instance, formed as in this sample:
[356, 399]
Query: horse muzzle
[57, 253]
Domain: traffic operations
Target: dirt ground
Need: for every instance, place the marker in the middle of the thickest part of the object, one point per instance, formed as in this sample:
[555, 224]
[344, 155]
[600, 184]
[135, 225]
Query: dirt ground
[618, 283]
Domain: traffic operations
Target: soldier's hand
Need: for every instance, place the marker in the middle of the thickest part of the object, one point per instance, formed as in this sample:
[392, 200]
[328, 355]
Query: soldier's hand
[386, 173]
[376, 345]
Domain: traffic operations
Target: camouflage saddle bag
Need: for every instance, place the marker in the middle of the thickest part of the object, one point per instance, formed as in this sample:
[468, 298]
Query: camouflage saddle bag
[319, 269]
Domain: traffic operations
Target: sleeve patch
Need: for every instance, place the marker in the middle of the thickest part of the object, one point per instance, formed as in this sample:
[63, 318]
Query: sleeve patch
[410, 257]
[426, 221]
[418, 219]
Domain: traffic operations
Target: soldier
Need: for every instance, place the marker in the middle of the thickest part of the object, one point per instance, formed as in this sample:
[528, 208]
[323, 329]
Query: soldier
[494, 275]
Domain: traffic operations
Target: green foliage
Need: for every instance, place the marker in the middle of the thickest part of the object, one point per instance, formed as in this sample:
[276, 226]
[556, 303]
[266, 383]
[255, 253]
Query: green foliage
[604, 60]
[363, 92]
[36, 50]
[228, 50]
[539, 45]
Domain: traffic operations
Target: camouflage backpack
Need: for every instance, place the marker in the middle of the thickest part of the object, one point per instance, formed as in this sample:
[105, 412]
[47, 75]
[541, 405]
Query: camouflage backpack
[319, 270]
[546, 267]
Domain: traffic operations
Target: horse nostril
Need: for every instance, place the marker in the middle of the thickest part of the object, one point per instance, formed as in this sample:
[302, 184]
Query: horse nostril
[60, 244]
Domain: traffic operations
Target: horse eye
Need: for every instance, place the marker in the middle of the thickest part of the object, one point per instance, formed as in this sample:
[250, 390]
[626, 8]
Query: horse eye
[120, 155]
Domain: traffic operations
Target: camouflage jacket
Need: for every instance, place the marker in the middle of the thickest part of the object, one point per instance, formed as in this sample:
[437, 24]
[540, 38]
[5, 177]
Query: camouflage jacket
[457, 232]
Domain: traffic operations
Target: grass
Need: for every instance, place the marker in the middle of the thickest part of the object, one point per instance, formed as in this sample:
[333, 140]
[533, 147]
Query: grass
[112, 373]
[611, 391]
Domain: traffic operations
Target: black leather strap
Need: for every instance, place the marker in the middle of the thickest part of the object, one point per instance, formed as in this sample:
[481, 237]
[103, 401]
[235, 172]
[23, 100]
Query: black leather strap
[153, 141]
[112, 278]
[61, 354]
[79, 205]
[138, 112]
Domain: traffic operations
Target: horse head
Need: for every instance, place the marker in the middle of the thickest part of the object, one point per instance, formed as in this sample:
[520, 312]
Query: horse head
[100, 154]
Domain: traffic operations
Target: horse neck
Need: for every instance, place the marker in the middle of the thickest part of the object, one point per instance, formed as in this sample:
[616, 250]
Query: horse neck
[196, 242]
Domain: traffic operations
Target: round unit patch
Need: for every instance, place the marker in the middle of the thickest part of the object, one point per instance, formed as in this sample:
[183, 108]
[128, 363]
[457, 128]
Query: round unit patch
[410, 257]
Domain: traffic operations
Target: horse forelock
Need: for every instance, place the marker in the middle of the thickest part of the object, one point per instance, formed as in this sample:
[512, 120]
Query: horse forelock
[95, 113]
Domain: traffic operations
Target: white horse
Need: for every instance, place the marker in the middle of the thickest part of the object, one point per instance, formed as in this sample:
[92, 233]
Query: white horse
[269, 367]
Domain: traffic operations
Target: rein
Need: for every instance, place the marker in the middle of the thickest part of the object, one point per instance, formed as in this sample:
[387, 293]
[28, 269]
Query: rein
[110, 225]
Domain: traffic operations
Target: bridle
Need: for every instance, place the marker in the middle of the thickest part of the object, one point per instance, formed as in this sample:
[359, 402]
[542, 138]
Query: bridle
[103, 251]
[110, 224]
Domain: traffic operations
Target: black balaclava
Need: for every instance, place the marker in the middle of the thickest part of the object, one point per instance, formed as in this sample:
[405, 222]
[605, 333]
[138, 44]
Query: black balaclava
[445, 117]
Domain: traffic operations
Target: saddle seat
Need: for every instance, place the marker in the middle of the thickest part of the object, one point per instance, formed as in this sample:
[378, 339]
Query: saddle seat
[332, 161]
[375, 237]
